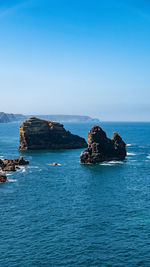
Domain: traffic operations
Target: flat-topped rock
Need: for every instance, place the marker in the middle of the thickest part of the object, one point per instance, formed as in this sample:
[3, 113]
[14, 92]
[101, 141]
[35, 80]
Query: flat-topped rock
[41, 134]
[101, 148]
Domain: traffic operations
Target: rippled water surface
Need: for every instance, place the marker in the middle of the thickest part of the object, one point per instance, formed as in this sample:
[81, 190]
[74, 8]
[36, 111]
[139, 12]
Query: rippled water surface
[77, 215]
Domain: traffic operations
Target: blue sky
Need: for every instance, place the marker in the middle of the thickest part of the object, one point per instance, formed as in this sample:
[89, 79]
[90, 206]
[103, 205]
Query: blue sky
[76, 57]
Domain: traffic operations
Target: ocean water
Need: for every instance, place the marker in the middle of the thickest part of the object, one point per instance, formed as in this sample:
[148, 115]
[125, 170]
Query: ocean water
[72, 214]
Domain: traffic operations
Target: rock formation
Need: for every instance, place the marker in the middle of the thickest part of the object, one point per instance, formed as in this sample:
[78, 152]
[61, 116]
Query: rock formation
[41, 134]
[10, 164]
[54, 164]
[101, 148]
[3, 178]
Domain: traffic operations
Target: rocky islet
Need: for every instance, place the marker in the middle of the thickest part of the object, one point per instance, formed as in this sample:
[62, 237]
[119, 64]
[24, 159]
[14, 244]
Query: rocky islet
[40, 134]
[37, 134]
[101, 148]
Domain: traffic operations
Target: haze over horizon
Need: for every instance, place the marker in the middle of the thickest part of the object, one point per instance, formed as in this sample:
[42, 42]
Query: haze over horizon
[76, 57]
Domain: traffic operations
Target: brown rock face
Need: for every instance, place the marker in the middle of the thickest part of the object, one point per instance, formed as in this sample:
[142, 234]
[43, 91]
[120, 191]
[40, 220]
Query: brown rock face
[41, 134]
[9, 165]
[3, 178]
[101, 148]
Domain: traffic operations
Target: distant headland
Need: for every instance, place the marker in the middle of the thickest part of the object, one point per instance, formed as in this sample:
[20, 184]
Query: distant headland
[10, 117]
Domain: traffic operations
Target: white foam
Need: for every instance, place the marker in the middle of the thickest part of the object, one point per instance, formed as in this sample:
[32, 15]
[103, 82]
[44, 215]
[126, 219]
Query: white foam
[24, 170]
[12, 180]
[148, 157]
[1, 157]
[106, 164]
[128, 145]
[21, 167]
[115, 162]
[111, 163]
[130, 154]
[9, 174]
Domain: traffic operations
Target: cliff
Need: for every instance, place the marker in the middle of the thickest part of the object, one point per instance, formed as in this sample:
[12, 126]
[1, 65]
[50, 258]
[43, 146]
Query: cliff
[7, 117]
[101, 148]
[67, 118]
[41, 134]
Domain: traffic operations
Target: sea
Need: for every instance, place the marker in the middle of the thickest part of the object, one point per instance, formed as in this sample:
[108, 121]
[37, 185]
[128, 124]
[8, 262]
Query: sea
[76, 215]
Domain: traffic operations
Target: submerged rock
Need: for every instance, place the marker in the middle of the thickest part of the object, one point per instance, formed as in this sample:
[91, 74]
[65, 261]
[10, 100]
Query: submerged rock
[101, 148]
[41, 134]
[3, 178]
[12, 164]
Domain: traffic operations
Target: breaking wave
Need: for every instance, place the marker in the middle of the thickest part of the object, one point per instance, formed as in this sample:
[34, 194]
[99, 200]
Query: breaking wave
[130, 154]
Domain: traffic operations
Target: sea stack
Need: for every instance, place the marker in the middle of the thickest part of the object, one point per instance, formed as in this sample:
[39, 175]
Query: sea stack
[36, 134]
[101, 148]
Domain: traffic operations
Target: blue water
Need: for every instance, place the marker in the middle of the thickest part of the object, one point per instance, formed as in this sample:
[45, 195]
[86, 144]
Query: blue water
[75, 215]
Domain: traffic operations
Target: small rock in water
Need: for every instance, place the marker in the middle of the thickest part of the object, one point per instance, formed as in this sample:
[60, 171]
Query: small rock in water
[20, 161]
[54, 164]
[17, 168]
[9, 165]
[3, 178]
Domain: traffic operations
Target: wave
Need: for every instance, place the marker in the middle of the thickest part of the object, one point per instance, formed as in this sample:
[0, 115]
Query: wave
[111, 163]
[106, 164]
[128, 145]
[12, 180]
[21, 167]
[130, 154]
[1, 157]
[148, 157]
[116, 162]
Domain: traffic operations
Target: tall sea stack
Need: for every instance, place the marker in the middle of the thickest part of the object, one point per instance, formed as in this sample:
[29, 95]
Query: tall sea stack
[101, 148]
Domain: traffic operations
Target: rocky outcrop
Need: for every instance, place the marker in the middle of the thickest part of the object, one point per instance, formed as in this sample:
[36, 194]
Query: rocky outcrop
[54, 164]
[3, 178]
[41, 134]
[8, 165]
[101, 148]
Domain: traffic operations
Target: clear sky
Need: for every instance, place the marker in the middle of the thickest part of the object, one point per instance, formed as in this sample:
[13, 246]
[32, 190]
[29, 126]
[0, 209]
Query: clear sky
[76, 57]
